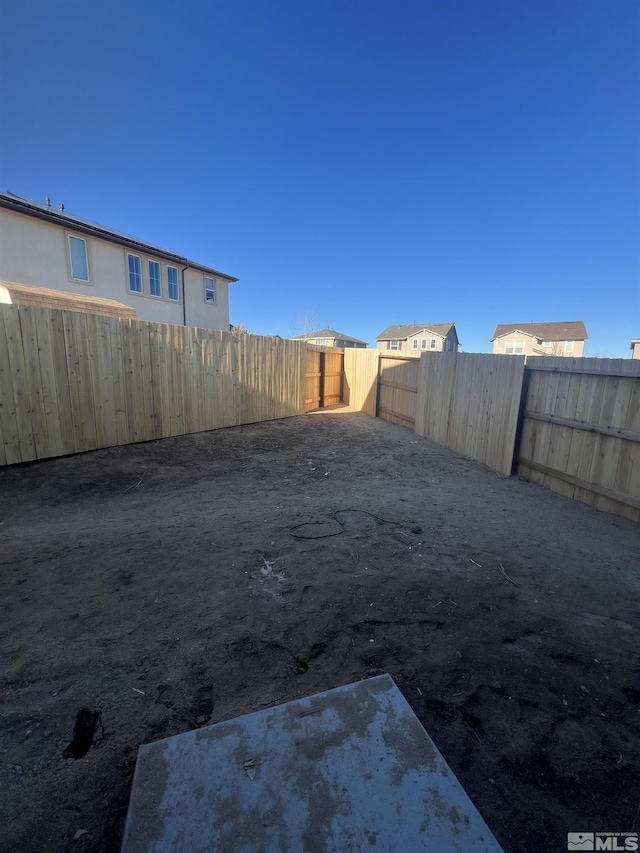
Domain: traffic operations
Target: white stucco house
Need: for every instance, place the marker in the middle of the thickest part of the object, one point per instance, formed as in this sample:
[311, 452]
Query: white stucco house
[48, 248]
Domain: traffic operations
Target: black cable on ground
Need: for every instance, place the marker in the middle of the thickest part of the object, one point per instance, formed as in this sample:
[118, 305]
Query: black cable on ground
[337, 520]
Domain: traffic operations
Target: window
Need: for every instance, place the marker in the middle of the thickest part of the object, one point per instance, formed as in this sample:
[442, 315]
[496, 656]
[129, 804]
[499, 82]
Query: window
[322, 342]
[568, 346]
[514, 347]
[209, 290]
[135, 273]
[546, 343]
[414, 343]
[172, 283]
[78, 258]
[424, 343]
[155, 282]
[432, 344]
[394, 345]
[447, 345]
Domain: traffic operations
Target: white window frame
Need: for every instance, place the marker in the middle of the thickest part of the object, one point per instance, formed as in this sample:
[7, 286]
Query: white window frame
[514, 347]
[129, 273]
[207, 289]
[71, 237]
[432, 343]
[394, 345]
[568, 346]
[414, 343]
[159, 266]
[423, 343]
[169, 296]
[546, 343]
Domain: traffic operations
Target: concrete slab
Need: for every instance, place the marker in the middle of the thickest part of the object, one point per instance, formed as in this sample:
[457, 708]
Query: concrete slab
[350, 769]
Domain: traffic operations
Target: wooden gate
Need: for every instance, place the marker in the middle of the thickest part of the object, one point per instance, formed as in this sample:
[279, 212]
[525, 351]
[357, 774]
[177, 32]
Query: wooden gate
[397, 389]
[323, 378]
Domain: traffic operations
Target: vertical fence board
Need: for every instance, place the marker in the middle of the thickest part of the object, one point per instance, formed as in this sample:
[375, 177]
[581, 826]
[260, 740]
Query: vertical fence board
[9, 418]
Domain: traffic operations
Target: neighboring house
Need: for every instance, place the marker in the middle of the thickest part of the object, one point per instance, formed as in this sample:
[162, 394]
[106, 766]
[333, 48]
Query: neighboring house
[49, 249]
[420, 337]
[42, 297]
[564, 339]
[330, 338]
[635, 348]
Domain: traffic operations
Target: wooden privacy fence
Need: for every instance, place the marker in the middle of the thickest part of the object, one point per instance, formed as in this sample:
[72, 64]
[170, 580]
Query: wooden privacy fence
[361, 379]
[397, 389]
[470, 403]
[71, 382]
[581, 430]
[572, 425]
[323, 381]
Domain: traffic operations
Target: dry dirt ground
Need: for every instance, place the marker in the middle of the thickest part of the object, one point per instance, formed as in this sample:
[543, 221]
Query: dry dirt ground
[162, 584]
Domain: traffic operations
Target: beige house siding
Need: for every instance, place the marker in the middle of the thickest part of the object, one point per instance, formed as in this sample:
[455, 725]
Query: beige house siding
[532, 347]
[635, 346]
[35, 252]
[407, 346]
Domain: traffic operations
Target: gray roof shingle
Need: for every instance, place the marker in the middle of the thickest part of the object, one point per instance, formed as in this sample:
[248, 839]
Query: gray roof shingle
[402, 332]
[327, 333]
[569, 330]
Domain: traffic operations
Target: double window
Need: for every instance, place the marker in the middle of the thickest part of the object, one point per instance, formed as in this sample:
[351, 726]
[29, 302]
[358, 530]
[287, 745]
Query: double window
[78, 259]
[568, 346]
[393, 345]
[514, 347]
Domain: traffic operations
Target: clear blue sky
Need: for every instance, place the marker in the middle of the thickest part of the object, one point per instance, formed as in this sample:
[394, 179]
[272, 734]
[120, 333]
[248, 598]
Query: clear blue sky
[364, 162]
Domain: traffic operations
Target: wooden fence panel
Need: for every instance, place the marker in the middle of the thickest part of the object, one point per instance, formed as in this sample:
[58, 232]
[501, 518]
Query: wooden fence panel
[397, 389]
[581, 431]
[9, 423]
[333, 373]
[470, 402]
[72, 382]
[325, 367]
[361, 379]
[312, 393]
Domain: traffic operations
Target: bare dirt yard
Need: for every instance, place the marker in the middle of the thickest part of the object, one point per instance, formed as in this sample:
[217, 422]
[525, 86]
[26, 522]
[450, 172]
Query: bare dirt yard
[190, 580]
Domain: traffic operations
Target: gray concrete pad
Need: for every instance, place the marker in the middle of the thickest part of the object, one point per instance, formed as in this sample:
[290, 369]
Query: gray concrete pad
[350, 769]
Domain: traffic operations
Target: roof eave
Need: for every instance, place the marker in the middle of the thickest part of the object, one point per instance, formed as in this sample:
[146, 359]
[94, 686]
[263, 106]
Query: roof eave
[56, 218]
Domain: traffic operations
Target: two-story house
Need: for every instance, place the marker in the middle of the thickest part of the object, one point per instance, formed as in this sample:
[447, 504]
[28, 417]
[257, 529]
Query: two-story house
[47, 248]
[419, 337]
[564, 339]
[330, 338]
